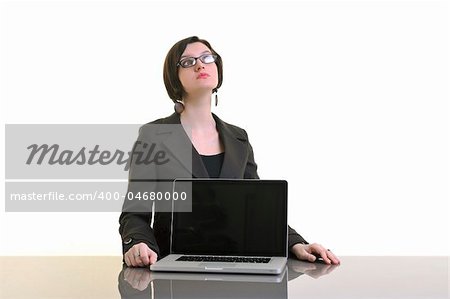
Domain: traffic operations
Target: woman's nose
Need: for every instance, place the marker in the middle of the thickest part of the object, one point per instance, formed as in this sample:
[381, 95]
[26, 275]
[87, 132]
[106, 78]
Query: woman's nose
[199, 65]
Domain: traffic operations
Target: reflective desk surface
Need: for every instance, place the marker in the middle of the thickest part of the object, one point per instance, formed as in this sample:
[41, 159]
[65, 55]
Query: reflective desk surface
[105, 277]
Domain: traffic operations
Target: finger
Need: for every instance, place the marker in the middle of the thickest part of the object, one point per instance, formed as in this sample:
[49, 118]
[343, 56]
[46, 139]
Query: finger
[304, 252]
[131, 259]
[139, 255]
[145, 255]
[307, 256]
[324, 256]
[139, 261]
[145, 258]
[153, 257]
[334, 259]
[320, 251]
[127, 260]
[134, 261]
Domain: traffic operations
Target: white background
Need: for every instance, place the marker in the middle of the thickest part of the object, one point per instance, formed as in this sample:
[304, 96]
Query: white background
[347, 100]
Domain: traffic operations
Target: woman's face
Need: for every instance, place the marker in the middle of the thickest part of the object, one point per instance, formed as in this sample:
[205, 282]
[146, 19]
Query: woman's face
[202, 76]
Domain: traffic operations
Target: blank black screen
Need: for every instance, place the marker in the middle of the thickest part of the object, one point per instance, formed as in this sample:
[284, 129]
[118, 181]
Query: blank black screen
[233, 217]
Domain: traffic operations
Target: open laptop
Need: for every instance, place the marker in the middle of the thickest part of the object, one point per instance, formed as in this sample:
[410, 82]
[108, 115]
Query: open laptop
[235, 226]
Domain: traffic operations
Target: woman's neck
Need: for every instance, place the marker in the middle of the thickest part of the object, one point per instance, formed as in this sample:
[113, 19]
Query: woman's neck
[197, 112]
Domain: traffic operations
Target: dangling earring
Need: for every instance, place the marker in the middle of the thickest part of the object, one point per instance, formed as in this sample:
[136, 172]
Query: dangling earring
[217, 100]
[178, 107]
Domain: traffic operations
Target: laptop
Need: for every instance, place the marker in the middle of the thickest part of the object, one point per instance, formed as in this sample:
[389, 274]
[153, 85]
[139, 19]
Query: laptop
[233, 226]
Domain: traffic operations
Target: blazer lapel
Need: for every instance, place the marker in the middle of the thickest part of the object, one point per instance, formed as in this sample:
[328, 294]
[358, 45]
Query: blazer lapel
[235, 145]
[176, 143]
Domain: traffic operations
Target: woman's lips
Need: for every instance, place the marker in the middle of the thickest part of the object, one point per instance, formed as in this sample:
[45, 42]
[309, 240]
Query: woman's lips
[202, 76]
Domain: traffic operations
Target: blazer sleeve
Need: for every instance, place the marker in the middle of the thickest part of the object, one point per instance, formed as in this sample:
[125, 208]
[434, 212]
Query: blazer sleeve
[134, 225]
[252, 173]
[135, 228]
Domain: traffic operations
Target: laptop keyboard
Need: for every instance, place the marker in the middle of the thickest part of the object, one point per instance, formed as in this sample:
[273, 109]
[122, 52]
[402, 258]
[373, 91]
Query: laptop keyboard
[222, 259]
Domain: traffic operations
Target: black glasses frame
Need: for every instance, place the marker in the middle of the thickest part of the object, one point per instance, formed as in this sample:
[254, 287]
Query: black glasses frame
[201, 57]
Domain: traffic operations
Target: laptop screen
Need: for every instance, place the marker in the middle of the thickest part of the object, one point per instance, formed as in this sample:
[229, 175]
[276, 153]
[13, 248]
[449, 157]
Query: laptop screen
[233, 217]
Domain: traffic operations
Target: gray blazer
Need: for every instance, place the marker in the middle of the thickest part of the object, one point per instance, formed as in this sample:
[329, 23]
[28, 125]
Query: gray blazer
[238, 163]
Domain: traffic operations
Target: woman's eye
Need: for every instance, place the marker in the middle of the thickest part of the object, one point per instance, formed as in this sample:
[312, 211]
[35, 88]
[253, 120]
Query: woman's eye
[187, 62]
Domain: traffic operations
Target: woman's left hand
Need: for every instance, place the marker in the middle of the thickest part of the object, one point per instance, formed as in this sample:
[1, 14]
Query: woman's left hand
[311, 252]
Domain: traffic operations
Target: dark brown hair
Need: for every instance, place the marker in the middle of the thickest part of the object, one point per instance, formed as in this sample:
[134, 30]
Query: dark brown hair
[171, 81]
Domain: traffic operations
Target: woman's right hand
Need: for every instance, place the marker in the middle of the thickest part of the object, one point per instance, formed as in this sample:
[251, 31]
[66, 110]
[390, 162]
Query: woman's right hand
[140, 255]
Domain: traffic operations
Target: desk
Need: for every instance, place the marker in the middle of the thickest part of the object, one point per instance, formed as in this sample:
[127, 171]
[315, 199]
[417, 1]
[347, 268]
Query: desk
[104, 277]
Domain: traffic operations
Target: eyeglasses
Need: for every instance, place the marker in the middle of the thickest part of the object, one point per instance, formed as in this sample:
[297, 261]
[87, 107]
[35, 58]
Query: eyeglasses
[191, 61]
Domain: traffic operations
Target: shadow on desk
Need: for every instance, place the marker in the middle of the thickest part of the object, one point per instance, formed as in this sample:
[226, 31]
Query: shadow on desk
[143, 283]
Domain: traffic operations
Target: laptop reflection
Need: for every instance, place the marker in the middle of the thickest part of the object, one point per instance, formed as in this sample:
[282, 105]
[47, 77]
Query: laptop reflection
[142, 283]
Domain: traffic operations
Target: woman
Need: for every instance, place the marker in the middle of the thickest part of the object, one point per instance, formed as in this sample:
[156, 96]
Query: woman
[192, 73]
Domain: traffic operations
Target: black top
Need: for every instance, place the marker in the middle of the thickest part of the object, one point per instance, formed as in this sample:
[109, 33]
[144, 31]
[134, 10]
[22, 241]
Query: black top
[213, 164]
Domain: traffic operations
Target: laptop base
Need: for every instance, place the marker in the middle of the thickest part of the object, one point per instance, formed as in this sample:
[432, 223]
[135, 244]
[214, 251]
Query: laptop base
[170, 264]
